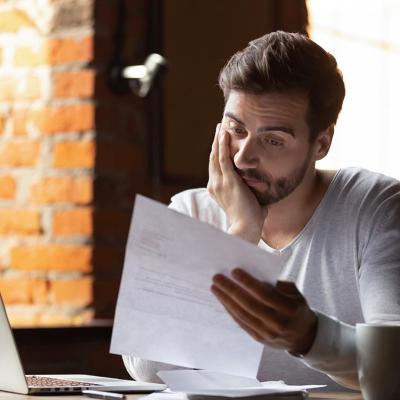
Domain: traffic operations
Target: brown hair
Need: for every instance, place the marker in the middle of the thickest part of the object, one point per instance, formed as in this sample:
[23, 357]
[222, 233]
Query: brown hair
[282, 61]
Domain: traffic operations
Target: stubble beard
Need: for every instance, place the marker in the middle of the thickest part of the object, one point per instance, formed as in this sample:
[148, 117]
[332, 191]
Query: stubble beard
[277, 189]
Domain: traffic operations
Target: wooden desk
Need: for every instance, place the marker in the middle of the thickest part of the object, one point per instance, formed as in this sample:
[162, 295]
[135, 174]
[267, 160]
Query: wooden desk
[335, 396]
[313, 395]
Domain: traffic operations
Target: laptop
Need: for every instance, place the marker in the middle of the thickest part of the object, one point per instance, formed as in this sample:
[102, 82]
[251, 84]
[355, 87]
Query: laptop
[13, 378]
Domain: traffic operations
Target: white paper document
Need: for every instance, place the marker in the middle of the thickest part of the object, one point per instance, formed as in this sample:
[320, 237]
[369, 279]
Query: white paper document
[166, 311]
[167, 395]
[207, 383]
[189, 380]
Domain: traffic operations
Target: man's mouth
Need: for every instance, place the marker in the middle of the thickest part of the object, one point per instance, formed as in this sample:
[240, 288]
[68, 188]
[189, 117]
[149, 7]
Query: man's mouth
[252, 181]
[252, 178]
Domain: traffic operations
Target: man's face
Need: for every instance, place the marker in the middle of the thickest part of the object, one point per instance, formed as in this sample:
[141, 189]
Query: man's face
[269, 141]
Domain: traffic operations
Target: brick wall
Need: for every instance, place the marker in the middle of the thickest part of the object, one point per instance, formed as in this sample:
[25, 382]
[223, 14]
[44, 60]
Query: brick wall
[72, 155]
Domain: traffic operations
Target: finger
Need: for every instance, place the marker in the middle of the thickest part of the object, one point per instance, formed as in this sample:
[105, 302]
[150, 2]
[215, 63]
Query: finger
[289, 288]
[225, 160]
[264, 292]
[255, 335]
[236, 294]
[257, 329]
[248, 322]
[213, 166]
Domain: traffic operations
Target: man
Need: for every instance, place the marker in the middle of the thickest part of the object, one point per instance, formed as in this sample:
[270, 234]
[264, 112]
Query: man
[341, 229]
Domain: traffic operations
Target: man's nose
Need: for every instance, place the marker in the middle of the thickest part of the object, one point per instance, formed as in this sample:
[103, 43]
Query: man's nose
[246, 156]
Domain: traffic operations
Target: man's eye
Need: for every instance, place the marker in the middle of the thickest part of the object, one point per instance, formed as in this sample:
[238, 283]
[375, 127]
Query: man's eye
[238, 131]
[274, 142]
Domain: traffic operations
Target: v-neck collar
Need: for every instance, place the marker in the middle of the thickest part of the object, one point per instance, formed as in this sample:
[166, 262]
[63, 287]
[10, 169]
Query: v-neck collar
[309, 223]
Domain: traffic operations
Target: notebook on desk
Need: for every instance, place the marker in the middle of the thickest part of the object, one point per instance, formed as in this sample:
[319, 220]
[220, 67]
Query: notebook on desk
[13, 378]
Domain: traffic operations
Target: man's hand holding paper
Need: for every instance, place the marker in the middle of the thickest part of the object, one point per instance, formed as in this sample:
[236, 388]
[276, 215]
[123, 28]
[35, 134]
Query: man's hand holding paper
[278, 316]
[166, 311]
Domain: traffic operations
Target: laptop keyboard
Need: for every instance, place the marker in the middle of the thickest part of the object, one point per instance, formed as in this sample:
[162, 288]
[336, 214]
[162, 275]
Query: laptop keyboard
[38, 381]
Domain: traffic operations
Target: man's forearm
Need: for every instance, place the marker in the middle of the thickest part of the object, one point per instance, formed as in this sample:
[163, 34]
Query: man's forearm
[250, 234]
[334, 352]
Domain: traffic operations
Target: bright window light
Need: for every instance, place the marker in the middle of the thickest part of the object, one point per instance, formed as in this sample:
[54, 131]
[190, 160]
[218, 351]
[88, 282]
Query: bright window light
[365, 39]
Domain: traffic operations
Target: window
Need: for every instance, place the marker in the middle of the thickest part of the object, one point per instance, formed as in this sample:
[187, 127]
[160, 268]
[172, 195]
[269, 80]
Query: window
[365, 39]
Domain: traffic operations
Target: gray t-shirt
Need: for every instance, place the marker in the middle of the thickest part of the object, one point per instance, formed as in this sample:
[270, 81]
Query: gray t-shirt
[345, 261]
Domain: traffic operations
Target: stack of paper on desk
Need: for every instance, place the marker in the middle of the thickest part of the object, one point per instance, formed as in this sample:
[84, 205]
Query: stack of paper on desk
[165, 310]
[167, 395]
[207, 385]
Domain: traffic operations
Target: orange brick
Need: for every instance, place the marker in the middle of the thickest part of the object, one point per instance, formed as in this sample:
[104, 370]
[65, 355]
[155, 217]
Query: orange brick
[74, 154]
[20, 118]
[55, 52]
[65, 189]
[77, 221]
[39, 291]
[23, 291]
[55, 119]
[8, 187]
[58, 319]
[62, 51]
[64, 119]
[84, 221]
[23, 222]
[52, 257]
[74, 84]
[15, 291]
[19, 154]
[13, 20]
[77, 292]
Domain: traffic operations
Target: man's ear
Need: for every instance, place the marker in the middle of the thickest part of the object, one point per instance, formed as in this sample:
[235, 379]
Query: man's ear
[323, 142]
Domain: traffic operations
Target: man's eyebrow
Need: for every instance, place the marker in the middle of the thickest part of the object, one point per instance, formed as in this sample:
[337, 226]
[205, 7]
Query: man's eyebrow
[230, 115]
[284, 129]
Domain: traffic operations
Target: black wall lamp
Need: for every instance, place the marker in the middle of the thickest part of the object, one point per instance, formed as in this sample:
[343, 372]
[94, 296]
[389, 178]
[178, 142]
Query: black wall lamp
[142, 78]
[139, 79]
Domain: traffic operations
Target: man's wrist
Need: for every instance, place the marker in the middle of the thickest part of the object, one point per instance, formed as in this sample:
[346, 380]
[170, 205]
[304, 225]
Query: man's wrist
[307, 344]
[245, 233]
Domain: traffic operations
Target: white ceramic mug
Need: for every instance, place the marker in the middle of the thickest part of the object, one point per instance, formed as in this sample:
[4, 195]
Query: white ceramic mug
[378, 359]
